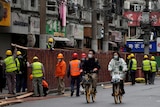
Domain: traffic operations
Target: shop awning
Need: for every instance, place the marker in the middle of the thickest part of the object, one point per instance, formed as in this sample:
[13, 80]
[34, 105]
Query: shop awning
[61, 39]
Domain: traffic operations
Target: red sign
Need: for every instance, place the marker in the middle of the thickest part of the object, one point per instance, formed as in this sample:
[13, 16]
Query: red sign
[135, 18]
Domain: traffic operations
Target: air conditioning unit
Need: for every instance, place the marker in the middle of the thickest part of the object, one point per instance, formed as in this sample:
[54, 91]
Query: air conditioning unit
[16, 3]
[51, 7]
[127, 5]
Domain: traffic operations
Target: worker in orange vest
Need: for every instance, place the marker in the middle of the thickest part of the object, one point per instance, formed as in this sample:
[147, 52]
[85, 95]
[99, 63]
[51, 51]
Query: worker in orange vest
[44, 84]
[74, 71]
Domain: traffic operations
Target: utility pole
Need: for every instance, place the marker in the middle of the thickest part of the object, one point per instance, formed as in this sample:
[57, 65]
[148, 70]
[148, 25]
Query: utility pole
[42, 11]
[94, 45]
[106, 27]
[146, 22]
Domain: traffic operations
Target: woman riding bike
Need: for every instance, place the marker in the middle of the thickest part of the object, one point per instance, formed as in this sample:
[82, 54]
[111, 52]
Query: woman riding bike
[117, 64]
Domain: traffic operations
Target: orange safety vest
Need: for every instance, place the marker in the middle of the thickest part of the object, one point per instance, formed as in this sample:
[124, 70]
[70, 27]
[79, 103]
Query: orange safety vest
[75, 67]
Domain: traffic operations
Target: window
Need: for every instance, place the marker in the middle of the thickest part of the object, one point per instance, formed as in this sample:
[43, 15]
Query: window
[32, 3]
[14, 1]
[51, 5]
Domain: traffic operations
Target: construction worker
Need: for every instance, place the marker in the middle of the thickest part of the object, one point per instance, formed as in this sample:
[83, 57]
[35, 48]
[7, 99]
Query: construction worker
[154, 69]
[74, 71]
[50, 44]
[38, 74]
[128, 75]
[118, 64]
[10, 70]
[133, 68]
[146, 68]
[91, 65]
[20, 75]
[60, 73]
[83, 59]
[44, 85]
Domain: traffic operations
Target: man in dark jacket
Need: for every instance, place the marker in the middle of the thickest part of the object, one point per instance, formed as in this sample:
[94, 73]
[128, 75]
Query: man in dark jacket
[91, 65]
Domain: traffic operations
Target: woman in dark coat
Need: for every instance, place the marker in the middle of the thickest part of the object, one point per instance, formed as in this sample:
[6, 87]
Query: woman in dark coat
[2, 75]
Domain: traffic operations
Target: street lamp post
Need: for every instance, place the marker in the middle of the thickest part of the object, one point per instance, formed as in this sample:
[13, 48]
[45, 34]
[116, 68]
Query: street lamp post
[146, 25]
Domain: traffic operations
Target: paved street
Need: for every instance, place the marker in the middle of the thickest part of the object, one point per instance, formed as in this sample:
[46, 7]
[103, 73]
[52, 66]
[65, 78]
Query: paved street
[139, 95]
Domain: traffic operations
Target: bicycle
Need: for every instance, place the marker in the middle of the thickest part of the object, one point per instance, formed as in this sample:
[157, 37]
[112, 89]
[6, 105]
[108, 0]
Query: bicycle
[117, 92]
[89, 90]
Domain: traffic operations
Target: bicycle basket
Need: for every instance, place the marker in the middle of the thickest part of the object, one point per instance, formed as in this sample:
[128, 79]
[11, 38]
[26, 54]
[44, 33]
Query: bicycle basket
[116, 78]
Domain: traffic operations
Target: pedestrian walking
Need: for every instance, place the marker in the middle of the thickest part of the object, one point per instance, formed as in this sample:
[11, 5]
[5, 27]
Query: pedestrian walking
[83, 59]
[74, 72]
[117, 64]
[20, 74]
[133, 68]
[146, 68]
[10, 70]
[154, 69]
[2, 75]
[60, 73]
[91, 66]
[38, 74]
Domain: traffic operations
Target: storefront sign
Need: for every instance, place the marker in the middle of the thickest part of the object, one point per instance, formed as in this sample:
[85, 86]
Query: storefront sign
[138, 46]
[53, 27]
[19, 23]
[34, 25]
[134, 18]
[5, 14]
[158, 44]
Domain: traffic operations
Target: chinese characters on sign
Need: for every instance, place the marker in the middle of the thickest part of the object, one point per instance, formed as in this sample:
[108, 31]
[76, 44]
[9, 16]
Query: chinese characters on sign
[138, 46]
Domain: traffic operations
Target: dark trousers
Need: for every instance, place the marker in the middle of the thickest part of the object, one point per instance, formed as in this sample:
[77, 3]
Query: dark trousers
[45, 89]
[147, 76]
[133, 76]
[20, 83]
[76, 79]
[152, 77]
[10, 77]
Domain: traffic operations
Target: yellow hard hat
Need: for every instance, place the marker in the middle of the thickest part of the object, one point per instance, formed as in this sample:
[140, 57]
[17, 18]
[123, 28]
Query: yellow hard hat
[129, 57]
[19, 53]
[152, 58]
[35, 57]
[132, 55]
[8, 52]
[50, 40]
[145, 56]
[60, 55]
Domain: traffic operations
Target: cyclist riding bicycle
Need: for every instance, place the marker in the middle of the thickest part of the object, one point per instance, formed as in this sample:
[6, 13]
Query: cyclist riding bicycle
[117, 64]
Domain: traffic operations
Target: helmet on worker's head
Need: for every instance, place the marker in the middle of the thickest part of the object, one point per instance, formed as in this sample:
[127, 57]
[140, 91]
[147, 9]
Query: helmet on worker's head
[152, 58]
[145, 56]
[83, 55]
[60, 55]
[131, 55]
[75, 55]
[50, 40]
[19, 53]
[31, 77]
[8, 52]
[35, 58]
